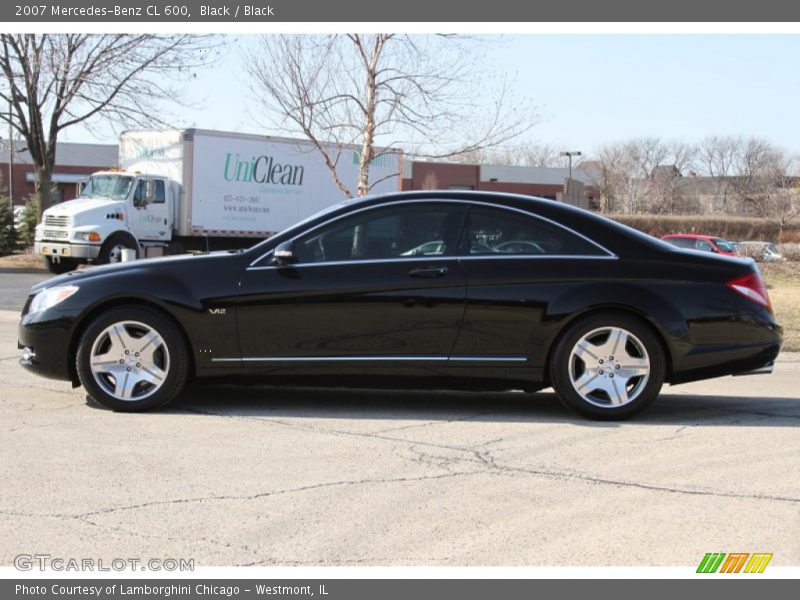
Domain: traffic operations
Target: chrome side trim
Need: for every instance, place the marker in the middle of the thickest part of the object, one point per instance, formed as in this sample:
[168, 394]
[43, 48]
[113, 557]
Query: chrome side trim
[334, 263]
[447, 201]
[410, 358]
[488, 359]
[433, 259]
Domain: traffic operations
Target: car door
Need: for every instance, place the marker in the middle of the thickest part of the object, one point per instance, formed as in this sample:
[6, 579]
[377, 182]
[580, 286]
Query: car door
[515, 264]
[362, 289]
[150, 214]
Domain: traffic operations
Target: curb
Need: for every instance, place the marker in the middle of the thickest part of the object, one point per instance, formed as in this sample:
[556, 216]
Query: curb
[22, 270]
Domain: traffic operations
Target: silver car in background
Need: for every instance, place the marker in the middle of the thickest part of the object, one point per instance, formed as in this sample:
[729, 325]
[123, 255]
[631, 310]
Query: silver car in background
[759, 251]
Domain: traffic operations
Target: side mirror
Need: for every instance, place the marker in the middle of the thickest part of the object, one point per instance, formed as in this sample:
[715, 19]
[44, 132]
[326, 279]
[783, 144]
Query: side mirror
[284, 253]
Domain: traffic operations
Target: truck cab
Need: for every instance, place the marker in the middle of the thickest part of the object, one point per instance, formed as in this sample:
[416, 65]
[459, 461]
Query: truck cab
[116, 211]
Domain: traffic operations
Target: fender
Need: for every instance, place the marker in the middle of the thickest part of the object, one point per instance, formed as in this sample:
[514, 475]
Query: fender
[654, 308]
[207, 320]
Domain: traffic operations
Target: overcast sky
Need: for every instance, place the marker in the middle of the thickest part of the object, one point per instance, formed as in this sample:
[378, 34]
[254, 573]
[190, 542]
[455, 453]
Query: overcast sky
[593, 89]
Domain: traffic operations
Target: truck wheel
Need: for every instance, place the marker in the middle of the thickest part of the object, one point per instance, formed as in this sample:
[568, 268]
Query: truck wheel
[132, 358]
[64, 265]
[111, 251]
[608, 366]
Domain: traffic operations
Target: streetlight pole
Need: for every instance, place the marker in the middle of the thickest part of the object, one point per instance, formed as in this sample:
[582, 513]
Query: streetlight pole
[569, 155]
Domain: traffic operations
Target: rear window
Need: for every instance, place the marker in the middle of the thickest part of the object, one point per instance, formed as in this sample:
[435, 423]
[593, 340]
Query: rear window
[493, 231]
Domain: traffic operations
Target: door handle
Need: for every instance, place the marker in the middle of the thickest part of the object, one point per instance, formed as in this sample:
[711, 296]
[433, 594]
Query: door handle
[428, 272]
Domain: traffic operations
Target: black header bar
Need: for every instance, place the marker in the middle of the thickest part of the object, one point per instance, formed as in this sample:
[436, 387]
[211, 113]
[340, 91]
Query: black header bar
[360, 11]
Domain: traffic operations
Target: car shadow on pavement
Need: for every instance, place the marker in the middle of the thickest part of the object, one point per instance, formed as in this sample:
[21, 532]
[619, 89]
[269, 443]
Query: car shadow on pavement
[516, 407]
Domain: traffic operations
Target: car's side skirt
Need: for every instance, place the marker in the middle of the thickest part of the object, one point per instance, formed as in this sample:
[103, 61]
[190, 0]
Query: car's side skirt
[401, 358]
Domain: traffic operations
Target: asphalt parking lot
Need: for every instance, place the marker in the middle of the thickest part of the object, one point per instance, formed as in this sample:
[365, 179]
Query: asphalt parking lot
[263, 476]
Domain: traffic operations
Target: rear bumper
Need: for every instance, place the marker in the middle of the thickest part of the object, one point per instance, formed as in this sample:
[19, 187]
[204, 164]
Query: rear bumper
[765, 370]
[717, 361]
[66, 250]
[742, 345]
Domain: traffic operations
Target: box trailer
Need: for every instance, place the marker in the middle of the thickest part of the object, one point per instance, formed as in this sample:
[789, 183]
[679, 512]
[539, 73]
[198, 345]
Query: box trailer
[191, 189]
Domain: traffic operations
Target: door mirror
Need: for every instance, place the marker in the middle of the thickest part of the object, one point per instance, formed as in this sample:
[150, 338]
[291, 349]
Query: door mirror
[284, 253]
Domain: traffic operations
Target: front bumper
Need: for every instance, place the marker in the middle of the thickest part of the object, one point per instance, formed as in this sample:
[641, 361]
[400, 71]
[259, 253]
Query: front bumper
[44, 340]
[83, 251]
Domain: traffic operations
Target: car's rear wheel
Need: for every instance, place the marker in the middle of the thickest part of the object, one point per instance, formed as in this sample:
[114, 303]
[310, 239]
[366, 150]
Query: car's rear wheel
[132, 359]
[608, 366]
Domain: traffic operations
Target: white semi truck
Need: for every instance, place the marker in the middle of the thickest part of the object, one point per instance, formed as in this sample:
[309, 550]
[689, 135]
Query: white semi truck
[191, 189]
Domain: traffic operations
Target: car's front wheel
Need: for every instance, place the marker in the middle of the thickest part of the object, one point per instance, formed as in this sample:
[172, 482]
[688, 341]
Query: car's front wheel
[608, 366]
[132, 358]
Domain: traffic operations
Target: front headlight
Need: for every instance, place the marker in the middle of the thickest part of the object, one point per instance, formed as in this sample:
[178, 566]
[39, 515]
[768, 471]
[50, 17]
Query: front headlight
[87, 236]
[49, 297]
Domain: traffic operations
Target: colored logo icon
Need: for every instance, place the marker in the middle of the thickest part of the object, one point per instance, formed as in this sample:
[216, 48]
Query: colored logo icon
[734, 562]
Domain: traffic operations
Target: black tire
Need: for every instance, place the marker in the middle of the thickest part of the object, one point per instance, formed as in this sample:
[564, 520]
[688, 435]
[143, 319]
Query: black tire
[63, 265]
[561, 367]
[109, 251]
[174, 249]
[176, 364]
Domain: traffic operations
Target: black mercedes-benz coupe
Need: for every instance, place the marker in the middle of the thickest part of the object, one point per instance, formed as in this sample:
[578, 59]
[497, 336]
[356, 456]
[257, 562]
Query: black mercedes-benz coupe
[459, 290]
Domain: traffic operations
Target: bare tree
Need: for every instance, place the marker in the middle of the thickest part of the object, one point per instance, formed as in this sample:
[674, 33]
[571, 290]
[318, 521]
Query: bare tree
[757, 163]
[717, 157]
[609, 174]
[774, 189]
[665, 193]
[526, 155]
[430, 181]
[53, 82]
[642, 175]
[383, 92]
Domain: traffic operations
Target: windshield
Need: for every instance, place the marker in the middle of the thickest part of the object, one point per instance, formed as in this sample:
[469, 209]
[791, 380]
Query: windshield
[107, 186]
[724, 245]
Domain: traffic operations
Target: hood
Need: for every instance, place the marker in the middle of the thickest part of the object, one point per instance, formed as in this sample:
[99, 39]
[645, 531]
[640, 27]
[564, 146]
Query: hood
[80, 205]
[149, 263]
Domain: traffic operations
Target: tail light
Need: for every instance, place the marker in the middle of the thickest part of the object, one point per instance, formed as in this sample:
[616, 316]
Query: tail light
[752, 287]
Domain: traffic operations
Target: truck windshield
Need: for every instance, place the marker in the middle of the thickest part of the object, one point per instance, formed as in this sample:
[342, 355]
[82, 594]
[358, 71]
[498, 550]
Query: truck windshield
[107, 186]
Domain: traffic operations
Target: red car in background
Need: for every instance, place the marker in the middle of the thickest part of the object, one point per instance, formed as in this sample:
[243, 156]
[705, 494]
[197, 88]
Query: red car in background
[707, 243]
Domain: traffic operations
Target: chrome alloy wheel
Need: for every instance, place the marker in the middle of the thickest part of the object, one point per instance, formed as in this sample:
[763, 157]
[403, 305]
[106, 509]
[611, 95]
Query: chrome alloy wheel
[609, 367]
[129, 360]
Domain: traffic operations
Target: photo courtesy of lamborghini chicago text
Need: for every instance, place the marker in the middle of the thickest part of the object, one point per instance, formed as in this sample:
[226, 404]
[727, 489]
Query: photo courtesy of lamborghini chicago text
[355, 300]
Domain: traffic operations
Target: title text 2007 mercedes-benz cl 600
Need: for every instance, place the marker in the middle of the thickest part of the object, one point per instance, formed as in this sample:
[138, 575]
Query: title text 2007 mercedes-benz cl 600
[460, 290]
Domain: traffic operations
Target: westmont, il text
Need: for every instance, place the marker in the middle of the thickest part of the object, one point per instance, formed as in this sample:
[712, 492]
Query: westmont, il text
[166, 590]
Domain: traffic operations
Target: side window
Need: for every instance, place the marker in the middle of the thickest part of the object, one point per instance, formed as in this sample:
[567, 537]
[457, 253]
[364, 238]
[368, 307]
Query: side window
[139, 193]
[683, 242]
[704, 245]
[492, 231]
[160, 195]
[385, 233]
